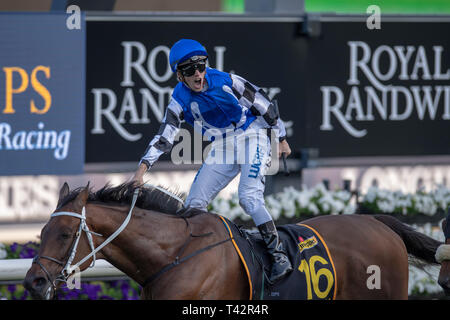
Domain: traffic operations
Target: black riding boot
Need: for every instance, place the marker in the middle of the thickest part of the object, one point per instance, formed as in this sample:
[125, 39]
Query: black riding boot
[281, 265]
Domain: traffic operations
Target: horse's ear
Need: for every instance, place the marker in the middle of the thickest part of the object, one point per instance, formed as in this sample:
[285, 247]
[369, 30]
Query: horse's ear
[63, 193]
[81, 199]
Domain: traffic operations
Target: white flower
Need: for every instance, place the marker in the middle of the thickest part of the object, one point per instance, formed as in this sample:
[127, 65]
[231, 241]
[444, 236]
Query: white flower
[442, 197]
[343, 195]
[383, 206]
[325, 206]
[349, 209]
[338, 207]
[313, 208]
[290, 212]
[320, 189]
[420, 202]
[371, 194]
[275, 213]
[222, 205]
[304, 198]
[319, 200]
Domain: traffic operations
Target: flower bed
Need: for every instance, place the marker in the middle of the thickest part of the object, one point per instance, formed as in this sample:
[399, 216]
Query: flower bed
[92, 290]
[418, 207]
[292, 203]
[309, 202]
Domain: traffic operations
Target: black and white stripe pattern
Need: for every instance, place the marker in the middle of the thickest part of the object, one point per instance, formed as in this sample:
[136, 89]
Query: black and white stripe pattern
[258, 102]
[163, 140]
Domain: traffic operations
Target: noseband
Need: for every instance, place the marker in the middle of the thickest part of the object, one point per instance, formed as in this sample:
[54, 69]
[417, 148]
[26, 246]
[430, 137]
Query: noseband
[67, 267]
[37, 260]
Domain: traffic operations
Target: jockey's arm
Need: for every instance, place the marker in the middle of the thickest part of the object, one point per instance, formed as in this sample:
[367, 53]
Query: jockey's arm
[284, 146]
[139, 174]
[259, 103]
[162, 141]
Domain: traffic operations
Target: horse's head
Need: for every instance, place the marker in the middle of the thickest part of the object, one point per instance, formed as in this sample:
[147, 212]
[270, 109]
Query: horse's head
[443, 256]
[57, 240]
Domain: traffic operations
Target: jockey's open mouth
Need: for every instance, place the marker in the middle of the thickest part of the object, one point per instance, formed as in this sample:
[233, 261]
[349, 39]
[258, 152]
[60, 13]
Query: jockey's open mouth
[198, 83]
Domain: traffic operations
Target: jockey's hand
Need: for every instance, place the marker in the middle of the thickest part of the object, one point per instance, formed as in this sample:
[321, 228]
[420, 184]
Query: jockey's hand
[138, 177]
[284, 148]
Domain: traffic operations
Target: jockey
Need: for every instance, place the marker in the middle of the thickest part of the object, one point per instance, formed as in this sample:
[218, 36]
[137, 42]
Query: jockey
[227, 104]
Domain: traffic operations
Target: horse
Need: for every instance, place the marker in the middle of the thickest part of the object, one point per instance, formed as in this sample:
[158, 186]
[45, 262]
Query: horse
[174, 253]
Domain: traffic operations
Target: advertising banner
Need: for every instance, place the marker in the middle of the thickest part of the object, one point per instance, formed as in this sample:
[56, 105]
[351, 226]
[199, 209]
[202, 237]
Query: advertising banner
[350, 92]
[379, 92]
[42, 67]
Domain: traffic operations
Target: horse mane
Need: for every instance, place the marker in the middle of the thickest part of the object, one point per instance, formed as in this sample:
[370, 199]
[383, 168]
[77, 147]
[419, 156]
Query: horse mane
[150, 198]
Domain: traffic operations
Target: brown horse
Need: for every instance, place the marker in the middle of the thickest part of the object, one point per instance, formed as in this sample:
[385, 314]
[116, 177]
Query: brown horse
[188, 256]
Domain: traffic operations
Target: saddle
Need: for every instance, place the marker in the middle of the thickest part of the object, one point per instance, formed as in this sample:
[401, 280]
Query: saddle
[313, 277]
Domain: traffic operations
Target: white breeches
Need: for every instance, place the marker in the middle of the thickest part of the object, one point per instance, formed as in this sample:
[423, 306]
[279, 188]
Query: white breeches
[249, 154]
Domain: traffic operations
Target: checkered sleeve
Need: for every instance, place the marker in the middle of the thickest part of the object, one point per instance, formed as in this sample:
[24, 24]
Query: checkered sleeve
[162, 142]
[280, 129]
[259, 103]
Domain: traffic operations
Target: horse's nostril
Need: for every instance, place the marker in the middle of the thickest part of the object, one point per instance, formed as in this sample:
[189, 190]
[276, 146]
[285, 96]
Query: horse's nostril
[39, 283]
[27, 284]
[36, 286]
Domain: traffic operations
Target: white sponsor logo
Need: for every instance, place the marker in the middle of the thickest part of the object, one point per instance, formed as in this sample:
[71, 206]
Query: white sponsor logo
[382, 99]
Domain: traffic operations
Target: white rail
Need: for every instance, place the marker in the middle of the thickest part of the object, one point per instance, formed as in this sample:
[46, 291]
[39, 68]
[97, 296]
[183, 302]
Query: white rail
[16, 269]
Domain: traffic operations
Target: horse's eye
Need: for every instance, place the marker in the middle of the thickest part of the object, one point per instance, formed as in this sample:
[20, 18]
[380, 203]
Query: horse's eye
[65, 236]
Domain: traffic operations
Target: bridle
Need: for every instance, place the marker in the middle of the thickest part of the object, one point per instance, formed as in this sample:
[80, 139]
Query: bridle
[68, 268]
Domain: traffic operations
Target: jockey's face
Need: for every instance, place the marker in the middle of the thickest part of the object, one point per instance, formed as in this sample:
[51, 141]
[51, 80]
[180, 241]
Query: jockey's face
[193, 74]
[196, 81]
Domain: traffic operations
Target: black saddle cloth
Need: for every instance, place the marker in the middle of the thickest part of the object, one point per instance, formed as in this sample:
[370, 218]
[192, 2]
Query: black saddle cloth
[313, 276]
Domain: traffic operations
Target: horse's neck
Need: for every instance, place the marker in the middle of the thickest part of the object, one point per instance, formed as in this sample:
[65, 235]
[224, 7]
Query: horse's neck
[149, 241]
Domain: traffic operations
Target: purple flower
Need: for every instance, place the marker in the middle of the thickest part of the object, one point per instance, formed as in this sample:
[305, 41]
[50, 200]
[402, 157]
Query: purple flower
[65, 293]
[27, 253]
[72, 295]
[114, 283]
[136, 295]
[125, 288]
[30, 252]
[12, 288]
[14, 246]
[91, 290]
[24, 295]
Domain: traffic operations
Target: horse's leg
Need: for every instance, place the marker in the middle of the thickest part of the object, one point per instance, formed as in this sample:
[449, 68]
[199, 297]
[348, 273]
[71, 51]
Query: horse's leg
[363, 249]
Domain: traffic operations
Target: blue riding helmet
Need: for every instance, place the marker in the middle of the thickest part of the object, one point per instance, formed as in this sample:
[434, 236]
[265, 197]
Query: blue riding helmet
[183, 50]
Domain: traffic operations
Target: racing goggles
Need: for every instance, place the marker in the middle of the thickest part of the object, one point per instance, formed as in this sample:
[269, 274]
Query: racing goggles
[189, 70]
